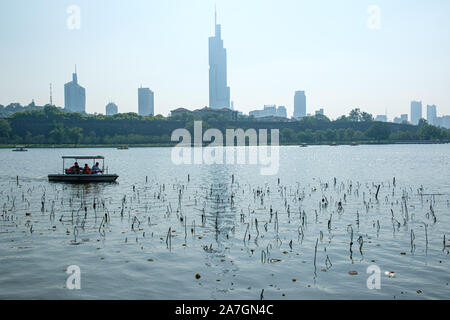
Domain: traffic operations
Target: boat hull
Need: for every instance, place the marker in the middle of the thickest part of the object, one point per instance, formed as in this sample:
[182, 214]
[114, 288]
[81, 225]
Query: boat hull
[82, 178]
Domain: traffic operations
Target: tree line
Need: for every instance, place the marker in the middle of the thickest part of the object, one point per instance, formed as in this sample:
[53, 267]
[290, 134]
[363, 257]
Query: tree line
[52, 126]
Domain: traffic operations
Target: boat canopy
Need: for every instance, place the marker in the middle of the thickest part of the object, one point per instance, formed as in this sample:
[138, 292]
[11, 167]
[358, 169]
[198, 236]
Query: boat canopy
[83, 157]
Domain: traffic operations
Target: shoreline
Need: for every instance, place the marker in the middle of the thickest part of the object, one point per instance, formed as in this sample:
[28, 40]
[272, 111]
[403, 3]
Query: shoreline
[167, 145]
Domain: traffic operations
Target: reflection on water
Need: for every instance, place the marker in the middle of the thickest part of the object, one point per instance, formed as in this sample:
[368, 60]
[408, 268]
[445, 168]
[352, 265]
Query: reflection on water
[309, 232]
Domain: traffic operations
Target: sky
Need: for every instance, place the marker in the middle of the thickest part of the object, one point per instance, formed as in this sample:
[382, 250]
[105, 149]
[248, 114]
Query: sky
[343, 54]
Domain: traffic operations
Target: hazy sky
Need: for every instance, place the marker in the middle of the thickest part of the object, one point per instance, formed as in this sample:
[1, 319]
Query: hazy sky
[274, 47]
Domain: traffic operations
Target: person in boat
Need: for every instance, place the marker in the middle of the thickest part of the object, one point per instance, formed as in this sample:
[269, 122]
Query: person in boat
[75, 169]
[86, 169]
[96, 168]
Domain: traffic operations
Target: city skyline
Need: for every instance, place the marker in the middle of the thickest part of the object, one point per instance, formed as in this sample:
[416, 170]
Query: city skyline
[267, 62]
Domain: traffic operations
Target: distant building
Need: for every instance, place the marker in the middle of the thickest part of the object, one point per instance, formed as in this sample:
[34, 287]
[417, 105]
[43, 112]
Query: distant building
[282, 112]
[269, 111]
[431, 114]
[443, 122]
[111, 109]
[74, 95]
[146, 102]
[320, 112]
[381, 118]
[416, 112]
[299, 104]
[179, 111]
[219, 92]
[224, 112]
[402, 119]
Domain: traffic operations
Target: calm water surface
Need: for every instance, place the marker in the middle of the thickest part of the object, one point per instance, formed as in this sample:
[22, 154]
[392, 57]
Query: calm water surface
[289, 234]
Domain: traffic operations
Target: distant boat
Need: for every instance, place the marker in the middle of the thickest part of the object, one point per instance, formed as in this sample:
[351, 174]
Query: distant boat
[303, 145]
[333, 144]
[354, 144]
[78, 176]
[20, 148]
[122, 147]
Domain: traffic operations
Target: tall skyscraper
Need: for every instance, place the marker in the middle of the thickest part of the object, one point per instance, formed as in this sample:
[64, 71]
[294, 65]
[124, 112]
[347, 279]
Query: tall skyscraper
[74, 95]
[299, 104]
[431, 114]
[416, 112]
[219, 92]
[146, 102]
[111, 109]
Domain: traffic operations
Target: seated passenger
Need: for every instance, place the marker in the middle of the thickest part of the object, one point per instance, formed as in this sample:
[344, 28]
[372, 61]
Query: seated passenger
[75, 169]
[86, 169]
[96, 168]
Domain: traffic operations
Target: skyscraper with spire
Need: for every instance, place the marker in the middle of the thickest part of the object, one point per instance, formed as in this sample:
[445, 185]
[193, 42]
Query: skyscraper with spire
[74, 95]
[219, 92]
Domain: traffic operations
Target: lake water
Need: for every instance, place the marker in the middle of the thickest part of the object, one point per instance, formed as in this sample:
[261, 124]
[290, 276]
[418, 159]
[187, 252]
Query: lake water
[242, 232]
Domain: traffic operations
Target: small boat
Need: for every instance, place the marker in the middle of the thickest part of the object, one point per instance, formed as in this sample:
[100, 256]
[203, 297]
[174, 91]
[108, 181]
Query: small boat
[303, 145]
[122, 147]
[353, 144]
[79, 176]
[334, 144]
[20, 149]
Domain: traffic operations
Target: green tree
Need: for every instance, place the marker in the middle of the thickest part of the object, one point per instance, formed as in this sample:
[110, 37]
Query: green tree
[428, 132]
[75, 134]
[330, 135]
[341, 134]
[58, 133]
[359, 136]
[319, 136]
[355, 115]
[379, 131]
[366, 117]
[349, 132]
[422, 122]
[287, 135]
[5, 128]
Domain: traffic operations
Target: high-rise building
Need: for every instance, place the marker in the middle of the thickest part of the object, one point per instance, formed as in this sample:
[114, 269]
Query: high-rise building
[282, 112]
[381, 118]
[146, 102]
[111, 109]
[219, 92]
[416, 112]
[74, 95]
[431, 114]
[299, 104]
